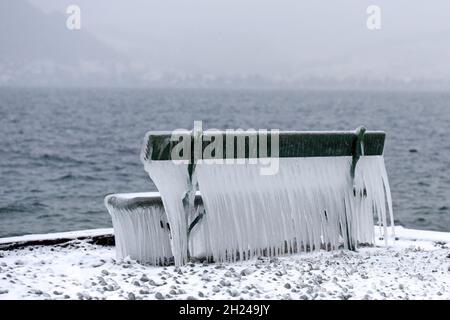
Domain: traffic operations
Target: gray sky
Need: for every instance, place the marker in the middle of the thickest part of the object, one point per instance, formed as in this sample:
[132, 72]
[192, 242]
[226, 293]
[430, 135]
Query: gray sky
[272, 37]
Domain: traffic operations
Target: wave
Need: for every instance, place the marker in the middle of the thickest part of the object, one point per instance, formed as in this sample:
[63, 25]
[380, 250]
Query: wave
[71, 176]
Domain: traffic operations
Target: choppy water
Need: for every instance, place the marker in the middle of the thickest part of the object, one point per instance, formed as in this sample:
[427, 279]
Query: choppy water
[62, 150]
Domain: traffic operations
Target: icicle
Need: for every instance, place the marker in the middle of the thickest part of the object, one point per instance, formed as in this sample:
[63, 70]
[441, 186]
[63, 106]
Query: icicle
[309, 204]
[173, 183]
[387, 190]
[141, 231]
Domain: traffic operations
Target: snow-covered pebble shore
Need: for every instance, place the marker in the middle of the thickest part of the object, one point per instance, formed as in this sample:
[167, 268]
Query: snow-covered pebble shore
[411, 269]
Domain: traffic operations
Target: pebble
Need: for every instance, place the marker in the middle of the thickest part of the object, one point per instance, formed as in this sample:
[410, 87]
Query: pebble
[159, 296]
[225, 283]
[153, 283]
[109, 288]
[102, 281]
[131, 296]
[287, 296]
[206, 278]
[234, 293]
[19, 263]
[216, 289]
[178, 271]
[97, 264]
[36, 291]
[246, 272]
[80, 295]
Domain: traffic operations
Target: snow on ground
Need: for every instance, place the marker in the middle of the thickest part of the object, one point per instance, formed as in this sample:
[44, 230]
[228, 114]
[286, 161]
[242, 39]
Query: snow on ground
[416, 267]
[57, 235]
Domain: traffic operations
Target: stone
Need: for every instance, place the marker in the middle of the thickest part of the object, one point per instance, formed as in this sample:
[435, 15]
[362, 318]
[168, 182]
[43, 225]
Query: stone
[159, 296]
[246, 272]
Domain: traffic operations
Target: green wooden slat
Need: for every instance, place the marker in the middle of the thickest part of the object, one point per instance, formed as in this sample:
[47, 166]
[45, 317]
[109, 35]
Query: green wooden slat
[157, 146]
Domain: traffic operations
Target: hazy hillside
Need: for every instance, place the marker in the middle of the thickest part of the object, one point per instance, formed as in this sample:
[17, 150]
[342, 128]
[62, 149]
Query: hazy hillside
[37, 48]
[27, 33]
[225, 43]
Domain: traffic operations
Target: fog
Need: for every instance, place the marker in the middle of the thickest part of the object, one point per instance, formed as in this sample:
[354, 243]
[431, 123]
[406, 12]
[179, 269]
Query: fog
[281, 41]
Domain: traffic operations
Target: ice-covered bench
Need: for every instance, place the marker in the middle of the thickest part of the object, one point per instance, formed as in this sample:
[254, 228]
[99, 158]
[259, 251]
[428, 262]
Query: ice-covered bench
[141, 229]
[262, 193]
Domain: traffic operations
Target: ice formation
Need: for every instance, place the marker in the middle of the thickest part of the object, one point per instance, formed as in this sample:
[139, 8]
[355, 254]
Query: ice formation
[172, 181]
[311, 203]
[140, 230]
[308, 203]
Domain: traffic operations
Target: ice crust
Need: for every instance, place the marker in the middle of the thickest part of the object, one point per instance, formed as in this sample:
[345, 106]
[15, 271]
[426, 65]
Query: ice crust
[311, 203]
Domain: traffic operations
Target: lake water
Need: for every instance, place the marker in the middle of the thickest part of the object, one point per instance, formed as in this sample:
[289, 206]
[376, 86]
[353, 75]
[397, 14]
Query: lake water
[63, 150]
